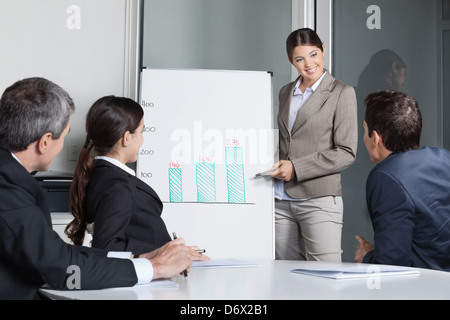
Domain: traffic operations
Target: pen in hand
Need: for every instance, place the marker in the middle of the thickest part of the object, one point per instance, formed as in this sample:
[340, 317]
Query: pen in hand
[174, 238]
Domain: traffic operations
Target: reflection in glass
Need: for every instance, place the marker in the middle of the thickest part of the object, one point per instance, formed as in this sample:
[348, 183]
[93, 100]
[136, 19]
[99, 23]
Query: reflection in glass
[446, 9]
[385, 71]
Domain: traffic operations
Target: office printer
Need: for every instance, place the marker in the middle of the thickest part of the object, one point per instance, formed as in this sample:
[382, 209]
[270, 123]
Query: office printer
[56, 187]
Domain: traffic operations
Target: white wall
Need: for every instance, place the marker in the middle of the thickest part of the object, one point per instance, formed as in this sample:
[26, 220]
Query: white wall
[82, 45]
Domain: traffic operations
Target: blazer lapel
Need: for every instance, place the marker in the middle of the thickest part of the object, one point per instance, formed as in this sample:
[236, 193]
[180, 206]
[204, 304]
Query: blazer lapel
[285, 105]
[316, 100]
[146, 188]
[137, 182]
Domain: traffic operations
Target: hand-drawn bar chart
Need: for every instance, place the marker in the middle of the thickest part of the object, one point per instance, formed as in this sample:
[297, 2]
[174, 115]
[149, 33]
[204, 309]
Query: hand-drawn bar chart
[235, 174]
[205, 179]
[175, 185]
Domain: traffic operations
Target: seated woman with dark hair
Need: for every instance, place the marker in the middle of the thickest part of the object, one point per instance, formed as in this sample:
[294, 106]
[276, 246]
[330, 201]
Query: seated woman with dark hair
[122, 212]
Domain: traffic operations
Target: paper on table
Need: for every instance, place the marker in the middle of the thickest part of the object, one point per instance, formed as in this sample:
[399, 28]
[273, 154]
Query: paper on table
[223, 263]
[159, 283]
[359, 271]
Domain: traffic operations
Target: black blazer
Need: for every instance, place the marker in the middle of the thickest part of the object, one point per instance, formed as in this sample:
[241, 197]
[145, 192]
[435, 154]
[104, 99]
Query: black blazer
[32, 254]
[125, 210]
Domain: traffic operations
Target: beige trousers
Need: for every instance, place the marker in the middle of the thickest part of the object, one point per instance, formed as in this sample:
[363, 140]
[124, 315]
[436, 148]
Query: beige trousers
[309, 229]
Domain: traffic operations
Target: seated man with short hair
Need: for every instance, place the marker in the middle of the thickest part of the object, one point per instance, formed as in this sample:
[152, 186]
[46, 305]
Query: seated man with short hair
[408, 191]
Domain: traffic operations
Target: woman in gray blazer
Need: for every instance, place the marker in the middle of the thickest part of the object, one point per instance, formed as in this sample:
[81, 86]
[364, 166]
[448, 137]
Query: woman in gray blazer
[317, 140]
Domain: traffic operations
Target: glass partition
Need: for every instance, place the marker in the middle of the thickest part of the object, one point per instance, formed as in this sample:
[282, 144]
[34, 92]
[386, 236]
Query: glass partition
[385, 44]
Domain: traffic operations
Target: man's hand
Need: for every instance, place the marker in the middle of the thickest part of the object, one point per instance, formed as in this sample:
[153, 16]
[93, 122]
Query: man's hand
[172, 258]
[362, 249]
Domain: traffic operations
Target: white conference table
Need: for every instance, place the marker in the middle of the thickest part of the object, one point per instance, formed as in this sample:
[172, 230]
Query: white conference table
[273, 280]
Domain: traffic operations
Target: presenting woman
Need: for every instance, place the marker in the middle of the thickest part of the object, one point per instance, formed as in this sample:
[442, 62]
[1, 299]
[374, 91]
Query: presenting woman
[122, 212]
[317, 140]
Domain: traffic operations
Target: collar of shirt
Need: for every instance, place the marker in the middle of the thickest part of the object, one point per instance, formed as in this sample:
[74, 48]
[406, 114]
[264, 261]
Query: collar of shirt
[297, 91]
[299, 99]
[118, 164]
[14, 156]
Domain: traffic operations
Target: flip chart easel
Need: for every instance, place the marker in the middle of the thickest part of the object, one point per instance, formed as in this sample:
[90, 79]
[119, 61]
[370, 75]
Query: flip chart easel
[207, 133]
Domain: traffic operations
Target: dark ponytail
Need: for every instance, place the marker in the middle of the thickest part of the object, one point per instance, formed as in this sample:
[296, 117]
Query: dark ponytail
[82, 175]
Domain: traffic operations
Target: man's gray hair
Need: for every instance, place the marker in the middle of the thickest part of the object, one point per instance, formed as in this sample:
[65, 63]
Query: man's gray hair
[31, 108]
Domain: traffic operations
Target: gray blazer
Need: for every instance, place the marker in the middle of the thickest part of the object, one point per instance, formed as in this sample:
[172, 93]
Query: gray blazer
[323, 140]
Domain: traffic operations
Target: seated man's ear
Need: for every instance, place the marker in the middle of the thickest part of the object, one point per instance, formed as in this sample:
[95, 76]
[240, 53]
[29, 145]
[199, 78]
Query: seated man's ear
[44, 142]
[377, 139]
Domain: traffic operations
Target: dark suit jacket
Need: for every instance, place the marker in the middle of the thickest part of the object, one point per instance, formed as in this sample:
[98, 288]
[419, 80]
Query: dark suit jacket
[32, 254]
[125, 210]
[323, 140]
[408, 197]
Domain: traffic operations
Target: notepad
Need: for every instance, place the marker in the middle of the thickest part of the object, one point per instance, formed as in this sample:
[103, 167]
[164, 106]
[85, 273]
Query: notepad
[358, 271]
